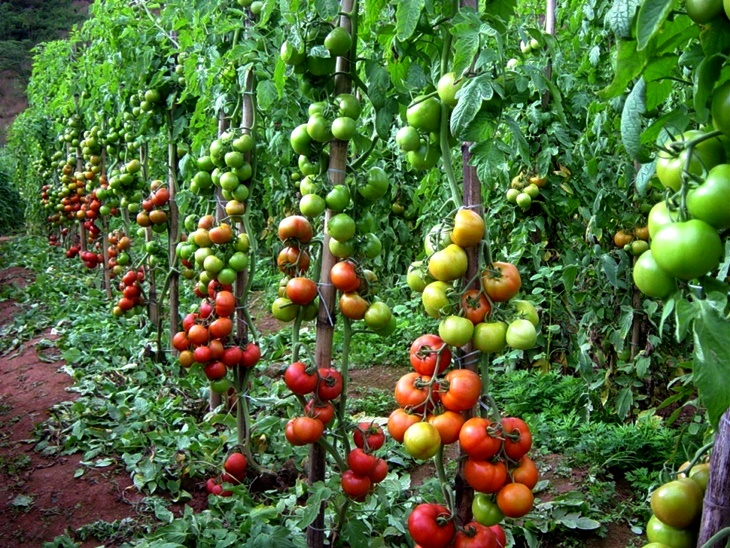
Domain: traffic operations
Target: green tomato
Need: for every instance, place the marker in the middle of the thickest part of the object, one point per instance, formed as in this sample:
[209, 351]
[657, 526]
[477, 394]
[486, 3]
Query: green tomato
[659, 532]
[221, 386]
[341, 227]
[376, 186]
[456, 330]
[343, 128]
[485, 510]
[437, 238]
[320, 66]
[238, 261]
[226, 276]
[242, 243]
[425, 156]
[521, 334]
[366, 222]
[709, 201]
[435, 299]
[341, 250]
[447, 89]
[490, 336]
[705, 155]
[677, 503]
[338, 198]
[523, 200]
[300, 140]
[424, 114]
[408, 139]
[422, 440]
[378, 315]
[703, 11]
[234, 159]
[245, 143]
[338, 41]
[448, 264]
[417, 277]
[512, 194]
[526, 310]
[659, 217]
[319, 128]
[312, 205]
[306, 166]
[348, 105]
[721, 99]
[284, 310]
[370, 246]
[687, 250]
[388, 329]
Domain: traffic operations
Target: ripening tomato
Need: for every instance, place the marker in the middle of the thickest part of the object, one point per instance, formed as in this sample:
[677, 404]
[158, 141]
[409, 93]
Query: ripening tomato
[422, 440]
[303, 430]
[448, 264]
[526, 472]
[677, 503]
[399, 421]
[295, 227]
[353, 306]
[292, 261]
[448, 424]
[468, 228]
[659, 532]
[502, 282]
[475, 306]
[301, 291]
[515, 500]
[322, 411]
[344, 277]
[485, 476]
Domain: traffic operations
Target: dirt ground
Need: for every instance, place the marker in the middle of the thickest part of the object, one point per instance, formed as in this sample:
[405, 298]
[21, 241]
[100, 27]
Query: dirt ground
[39, 496]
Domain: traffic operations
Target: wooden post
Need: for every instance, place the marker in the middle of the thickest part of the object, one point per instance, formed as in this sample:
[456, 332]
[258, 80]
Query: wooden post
[325, 319]
[716, 508]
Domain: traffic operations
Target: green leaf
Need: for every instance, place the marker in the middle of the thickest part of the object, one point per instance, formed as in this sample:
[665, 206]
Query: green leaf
[519, 139]
[712, 359]
[631, 117]
[685, 312]
[643, 178]
[620, 17]
[652, 13]
[374, 10]
[570, 272]
[705, 76]
[629, 64]
[471, 96]
[326, 9]
[503, 9]
[407, 14]
[715, 36]
[378, 83]
[610, 268]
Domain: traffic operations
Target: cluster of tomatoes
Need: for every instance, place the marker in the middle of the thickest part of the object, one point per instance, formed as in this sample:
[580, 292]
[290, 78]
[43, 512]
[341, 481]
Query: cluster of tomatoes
[677, 507]
[471, 315]
[54, 240]
[419, 138]
[216, 249]
[226, 167]
[295, 289]
[126, 187]
[206, 339]
[524, 188]
[327, 121]
[322, 386]
[431, 525]
[686, 244]
[234, 472]
[154, 207]
[118, 252]
[364, 470]
[317, 68]
[132, 293]
[634, 241]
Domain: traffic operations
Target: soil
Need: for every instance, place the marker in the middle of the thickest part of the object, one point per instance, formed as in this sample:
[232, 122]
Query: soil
[39, 496]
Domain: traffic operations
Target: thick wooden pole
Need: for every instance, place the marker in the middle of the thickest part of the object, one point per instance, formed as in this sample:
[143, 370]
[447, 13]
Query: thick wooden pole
[716, 508]
[325, 319]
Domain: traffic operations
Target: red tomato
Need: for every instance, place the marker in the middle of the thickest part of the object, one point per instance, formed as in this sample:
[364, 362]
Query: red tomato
[476, 438]
[412, 391]
[322, 411]
[526, 472]
[251, 355]
[354, 485]
[361, 462]
[515, 500]
[431, 525]
[399, 421]
[485, 476]
[475, 535]
[429, 353]
[369, 436]
[517, 437]
[343, 276]
[464, 389]
[330, 383]
[448, 424]
[298, 380]
[301, 291]
[303, 430]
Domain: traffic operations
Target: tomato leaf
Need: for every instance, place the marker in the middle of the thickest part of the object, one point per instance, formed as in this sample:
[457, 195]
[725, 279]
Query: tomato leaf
[707, 73]
[684, 314]
[643, 178]
[318, 493]
[651, 15]
[715, 36]
[610, 268]
[373, 10]
[629, 64]
[327, 9]
[621, 16]
[500, 8]
[712, 359]
[407, 14]
[471, 96]
[466, 43]
[519, 139]
[631, 115]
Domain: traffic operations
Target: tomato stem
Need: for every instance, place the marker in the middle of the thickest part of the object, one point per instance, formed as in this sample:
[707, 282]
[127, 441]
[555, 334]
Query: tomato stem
[445, 491]
[723, 533]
